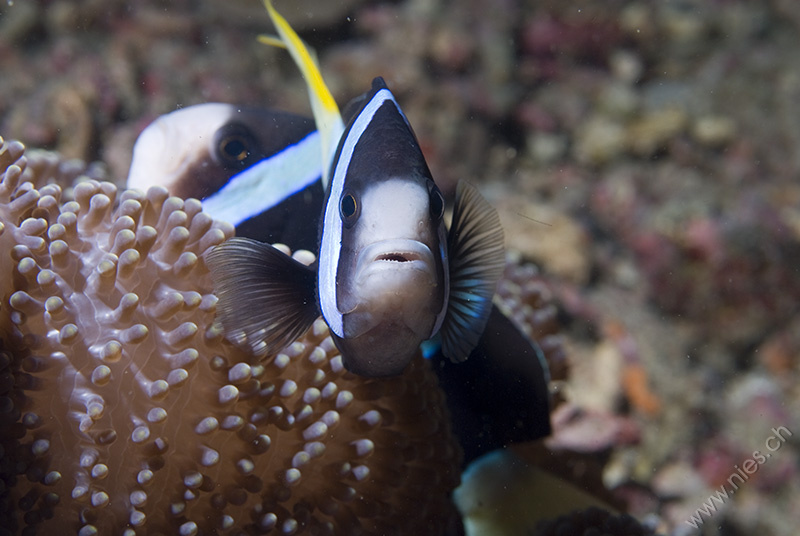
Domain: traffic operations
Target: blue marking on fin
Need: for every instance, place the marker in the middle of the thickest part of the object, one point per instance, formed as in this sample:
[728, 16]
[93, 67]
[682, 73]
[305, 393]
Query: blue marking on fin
[431, 347]
[264, 185]
[476, 257]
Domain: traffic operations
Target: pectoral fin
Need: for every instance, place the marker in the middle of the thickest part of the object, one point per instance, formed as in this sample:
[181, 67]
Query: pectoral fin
[266, 298]
[476, 256]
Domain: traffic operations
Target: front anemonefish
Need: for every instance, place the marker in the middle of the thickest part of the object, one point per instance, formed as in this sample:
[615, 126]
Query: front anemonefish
[389, 275]
[499, 396]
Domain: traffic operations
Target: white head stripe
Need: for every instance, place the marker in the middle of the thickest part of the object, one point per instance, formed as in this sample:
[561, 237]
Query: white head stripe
[332, 224]
[267, 183]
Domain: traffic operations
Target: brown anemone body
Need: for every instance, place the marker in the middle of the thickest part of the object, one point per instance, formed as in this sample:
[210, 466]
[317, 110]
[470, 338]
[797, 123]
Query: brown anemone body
[524, 296]
[123, 410]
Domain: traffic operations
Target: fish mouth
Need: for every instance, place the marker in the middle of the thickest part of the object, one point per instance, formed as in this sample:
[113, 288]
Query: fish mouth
[394, 253]
[394, 284]
[398, 256]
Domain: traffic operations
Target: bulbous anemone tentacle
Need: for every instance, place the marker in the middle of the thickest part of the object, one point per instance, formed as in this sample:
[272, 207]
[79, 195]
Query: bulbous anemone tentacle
[122, 406]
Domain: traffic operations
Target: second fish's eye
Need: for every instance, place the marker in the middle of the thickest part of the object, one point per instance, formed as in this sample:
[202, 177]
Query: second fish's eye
[235, 145]
[234, 148]
[348, 209]
[437, 203]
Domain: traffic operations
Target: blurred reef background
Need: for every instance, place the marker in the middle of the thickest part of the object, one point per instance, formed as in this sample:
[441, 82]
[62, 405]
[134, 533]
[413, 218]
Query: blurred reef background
[644, 154]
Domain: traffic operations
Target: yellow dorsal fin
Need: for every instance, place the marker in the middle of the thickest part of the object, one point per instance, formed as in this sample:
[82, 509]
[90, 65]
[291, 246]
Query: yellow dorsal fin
[326, 112]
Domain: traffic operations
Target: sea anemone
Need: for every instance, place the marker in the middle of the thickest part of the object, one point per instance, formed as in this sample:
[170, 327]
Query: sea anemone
[524, 296]
[123, 409]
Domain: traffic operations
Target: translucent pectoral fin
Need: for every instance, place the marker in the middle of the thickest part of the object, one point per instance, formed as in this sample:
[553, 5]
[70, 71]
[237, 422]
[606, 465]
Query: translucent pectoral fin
[266, 298]
[476, 257]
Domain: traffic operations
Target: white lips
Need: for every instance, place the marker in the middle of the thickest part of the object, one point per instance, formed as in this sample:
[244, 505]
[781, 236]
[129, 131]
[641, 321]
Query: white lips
[394, 253]
[393, 285]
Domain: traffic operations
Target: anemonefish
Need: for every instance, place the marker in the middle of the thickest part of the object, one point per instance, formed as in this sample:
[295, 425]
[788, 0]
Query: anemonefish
[389, 275]
[257, 169]
[504, 361]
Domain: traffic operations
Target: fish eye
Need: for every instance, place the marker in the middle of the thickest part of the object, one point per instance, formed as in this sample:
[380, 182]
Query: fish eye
[349, 209]
[436, 203]
[234, 146]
